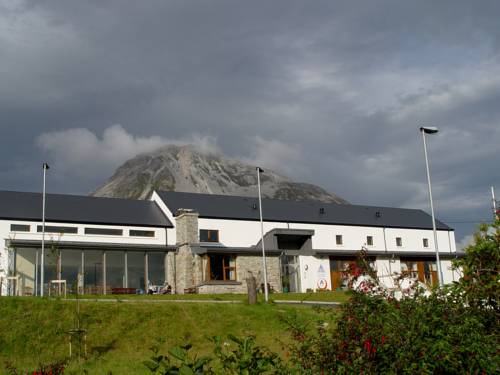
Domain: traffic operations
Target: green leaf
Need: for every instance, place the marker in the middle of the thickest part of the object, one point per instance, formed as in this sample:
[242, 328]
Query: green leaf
[178, 352]
[185, 370]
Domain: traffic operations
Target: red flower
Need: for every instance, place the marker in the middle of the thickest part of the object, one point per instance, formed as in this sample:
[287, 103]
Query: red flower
[383, 339]
[368, 345]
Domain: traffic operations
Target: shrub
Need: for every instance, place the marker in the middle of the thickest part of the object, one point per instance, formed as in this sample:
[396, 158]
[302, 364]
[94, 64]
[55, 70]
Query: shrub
[452, 330]
[246, 358]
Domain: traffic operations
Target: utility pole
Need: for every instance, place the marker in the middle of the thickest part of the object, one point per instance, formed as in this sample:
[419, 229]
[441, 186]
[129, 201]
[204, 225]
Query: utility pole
[496, 212]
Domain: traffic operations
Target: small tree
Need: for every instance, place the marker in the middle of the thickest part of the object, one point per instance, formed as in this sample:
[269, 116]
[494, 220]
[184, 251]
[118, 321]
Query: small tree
[480, 267]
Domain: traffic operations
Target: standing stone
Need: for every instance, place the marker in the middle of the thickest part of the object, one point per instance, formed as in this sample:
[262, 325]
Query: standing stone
[252, 289]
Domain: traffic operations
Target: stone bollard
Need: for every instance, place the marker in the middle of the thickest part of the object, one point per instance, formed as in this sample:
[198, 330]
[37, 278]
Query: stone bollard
[252, 289]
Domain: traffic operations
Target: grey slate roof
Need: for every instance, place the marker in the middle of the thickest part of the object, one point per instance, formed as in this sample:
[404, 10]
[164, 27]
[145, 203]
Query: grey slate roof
[246, 208]
[81, 209]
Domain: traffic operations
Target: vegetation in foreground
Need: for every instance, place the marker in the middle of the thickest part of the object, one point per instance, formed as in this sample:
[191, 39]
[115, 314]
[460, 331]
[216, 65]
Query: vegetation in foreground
[34, 331]
[454, 330]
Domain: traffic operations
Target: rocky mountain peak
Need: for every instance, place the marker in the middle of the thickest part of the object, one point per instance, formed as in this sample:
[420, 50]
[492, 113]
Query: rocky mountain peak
[185, 168]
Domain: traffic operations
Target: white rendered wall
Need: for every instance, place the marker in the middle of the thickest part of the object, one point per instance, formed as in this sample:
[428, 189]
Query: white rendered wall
[413, 240]
[449, 275]
[312, 269]
[238, 233]
[80, 236]
[353, 237]
[171, 234]
[244, 233]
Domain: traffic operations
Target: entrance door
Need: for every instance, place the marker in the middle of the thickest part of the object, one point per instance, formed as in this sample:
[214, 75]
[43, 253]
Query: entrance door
[337, 268]
[335, 274]
[290, 276]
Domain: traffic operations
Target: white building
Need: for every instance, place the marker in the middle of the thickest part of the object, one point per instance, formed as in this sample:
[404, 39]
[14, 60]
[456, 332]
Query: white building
[208, 243]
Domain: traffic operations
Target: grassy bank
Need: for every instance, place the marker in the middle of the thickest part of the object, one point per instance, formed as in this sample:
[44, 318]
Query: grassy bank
[337, 296]
[34, 330]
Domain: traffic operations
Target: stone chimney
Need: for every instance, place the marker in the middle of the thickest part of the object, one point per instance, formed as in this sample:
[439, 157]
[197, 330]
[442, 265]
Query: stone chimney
[188, 265]
[186, 227]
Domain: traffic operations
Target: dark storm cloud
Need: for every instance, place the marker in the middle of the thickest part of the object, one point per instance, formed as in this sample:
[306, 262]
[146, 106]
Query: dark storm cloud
[327, 92]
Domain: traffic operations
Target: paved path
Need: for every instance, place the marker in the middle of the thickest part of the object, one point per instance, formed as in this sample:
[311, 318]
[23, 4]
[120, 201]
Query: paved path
[313, 303]
[133, 300]
[279, 302]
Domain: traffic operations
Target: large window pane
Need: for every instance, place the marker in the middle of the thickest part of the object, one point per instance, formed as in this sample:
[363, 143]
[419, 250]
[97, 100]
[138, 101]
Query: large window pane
[221, 267]
[115, 269]
[51, 266]
[71, 264]
[156, 268]
[135, 262]
[93, 272]
[25, 269]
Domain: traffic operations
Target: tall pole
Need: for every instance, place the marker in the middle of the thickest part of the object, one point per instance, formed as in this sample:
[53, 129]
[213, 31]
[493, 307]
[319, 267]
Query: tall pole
[438, 262]
[264, 267]
[45, 166]
[494, 204]
[36, 272]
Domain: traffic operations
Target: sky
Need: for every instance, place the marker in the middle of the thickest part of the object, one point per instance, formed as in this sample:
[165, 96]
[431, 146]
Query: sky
[327, 92]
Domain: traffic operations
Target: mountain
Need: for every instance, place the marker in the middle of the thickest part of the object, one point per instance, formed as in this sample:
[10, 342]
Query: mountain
[184, 168]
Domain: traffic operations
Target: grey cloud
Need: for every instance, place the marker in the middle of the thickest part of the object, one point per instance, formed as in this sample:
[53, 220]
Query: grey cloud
[328, 92]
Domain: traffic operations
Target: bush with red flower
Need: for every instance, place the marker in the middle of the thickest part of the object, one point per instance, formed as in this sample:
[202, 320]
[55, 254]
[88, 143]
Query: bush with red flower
[452, 330]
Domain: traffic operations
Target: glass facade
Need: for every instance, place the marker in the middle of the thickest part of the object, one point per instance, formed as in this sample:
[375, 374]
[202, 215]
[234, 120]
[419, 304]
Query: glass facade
[92, 277]
[115, 270]
[51, 267]
[25, 269]
[71, 265]
[136, 270]
[124, 272]
[156, 268]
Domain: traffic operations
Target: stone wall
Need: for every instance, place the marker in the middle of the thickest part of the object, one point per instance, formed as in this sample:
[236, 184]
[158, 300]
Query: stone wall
[187, 268]
[247, 265]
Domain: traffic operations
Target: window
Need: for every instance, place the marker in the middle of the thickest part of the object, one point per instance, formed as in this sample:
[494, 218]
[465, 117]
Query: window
[369, 240]
[221, 267]
[399, 241]
[56, 229]
[338, 239]
[209, 235]
[104, 231]
[141, 233]
[426, 242]
[19, 228]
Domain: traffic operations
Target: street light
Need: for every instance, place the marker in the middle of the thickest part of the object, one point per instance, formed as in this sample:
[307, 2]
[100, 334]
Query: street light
[264, 267]
[45, 167]
[424, 131]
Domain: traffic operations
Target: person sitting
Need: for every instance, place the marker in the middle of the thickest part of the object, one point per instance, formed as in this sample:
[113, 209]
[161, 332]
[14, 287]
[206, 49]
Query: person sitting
[166, 289]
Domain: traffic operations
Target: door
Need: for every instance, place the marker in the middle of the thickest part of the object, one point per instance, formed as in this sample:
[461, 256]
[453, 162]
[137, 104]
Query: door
[337, 268]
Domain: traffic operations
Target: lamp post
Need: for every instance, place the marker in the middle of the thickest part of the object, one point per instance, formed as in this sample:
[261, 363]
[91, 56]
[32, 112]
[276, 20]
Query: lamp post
[45, 167]
[424, 131]
[264, 267]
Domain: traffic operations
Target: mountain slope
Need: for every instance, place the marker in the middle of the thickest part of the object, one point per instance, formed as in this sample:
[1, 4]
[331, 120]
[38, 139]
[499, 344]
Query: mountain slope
[183, 168]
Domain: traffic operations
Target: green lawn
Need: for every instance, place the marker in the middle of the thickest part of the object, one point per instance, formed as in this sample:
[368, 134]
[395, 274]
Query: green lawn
[34, 330]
